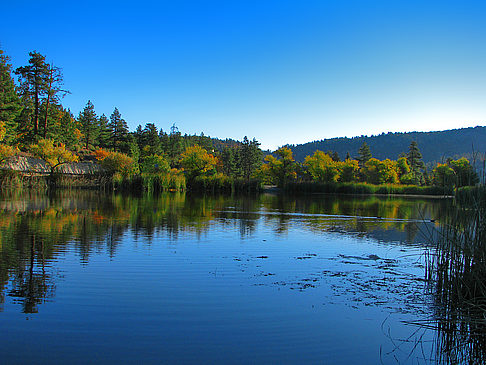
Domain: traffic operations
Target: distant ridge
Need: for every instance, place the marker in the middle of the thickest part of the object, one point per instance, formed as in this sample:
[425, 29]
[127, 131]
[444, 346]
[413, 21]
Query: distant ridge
[435, 146]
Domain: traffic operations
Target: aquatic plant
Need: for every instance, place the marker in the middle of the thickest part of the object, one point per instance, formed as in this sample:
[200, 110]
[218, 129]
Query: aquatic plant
[457, 272]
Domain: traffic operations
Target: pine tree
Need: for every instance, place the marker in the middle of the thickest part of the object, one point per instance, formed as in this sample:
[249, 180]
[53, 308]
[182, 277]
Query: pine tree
[364, 155]
[250, 157]
[89, 125]
[53, 92]
[414, 158]
[33, 84]
[150, 137]
[104, 135]
[10, 106]
[119, 131]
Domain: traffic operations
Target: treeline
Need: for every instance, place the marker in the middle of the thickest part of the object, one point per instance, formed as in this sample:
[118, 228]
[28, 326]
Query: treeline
[326, 168]
[435, 146]
[34, 121]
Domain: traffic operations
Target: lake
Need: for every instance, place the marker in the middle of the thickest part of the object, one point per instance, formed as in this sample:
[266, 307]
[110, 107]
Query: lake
[91, 278]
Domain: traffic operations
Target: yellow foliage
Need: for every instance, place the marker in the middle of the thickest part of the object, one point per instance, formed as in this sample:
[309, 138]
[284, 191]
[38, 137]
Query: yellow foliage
[3, 130]
[6, 152]
[118, 163]
[53, 155]
[197, 161]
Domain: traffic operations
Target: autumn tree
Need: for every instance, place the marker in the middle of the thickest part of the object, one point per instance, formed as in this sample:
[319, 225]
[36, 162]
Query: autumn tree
[281, 168]
[6, 152]
[381, 172]
[53, 155]
[464, 172]
[349, 171]
[322, 167]
[443, 175]
[197, 161]
[117, 163]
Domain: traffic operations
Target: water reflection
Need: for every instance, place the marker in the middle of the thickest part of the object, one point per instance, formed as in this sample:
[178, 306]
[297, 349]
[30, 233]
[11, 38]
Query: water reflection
[35, 228]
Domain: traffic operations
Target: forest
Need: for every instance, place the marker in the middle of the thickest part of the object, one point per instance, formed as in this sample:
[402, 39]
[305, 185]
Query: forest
[34, 122]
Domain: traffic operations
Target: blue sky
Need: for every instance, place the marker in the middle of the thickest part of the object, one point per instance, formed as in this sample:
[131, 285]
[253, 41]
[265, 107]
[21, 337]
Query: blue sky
[279, 71]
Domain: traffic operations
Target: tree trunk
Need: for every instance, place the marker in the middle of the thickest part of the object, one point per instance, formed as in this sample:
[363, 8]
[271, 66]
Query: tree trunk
[36, 109]
[47, 113]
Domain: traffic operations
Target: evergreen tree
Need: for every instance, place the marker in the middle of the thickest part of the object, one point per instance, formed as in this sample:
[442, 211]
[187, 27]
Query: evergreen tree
[175, 146]
[230, 158]
[414, 157]
[415, 162]
[150, 138]
[104, 135]
[70, 131]
[33, 84]
[53, 92]
[251, 157]
[119, 131]
[89, 124]
[10, 105]
[364, 155]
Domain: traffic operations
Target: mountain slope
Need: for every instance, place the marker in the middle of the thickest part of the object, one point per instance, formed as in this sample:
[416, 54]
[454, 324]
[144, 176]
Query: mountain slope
[434, 146]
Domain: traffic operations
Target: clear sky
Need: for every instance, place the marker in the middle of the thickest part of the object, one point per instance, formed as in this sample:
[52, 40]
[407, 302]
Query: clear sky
[280, 71]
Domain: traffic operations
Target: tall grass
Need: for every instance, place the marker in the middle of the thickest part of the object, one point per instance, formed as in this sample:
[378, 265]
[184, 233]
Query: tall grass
[364, 188]
[219, 183]
[149, 183]
[458, 273]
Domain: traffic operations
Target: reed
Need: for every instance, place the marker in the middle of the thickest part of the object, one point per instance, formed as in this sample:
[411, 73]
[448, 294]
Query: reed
[457, 272]
[365, 189]
[151, 183]
[219, 183]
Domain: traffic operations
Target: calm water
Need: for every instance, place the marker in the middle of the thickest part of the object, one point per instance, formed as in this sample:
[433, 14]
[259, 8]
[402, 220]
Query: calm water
[89, 278]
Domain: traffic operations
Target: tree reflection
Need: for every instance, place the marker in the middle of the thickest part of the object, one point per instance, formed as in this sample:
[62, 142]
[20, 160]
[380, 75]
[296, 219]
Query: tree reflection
[35, 228]
[31, 284]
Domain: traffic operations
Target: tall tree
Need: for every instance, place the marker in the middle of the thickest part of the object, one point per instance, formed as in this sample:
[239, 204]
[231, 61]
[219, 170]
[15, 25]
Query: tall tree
[175, 146]
[53, 91]
[89, 125]
[230, 158]
[33, 83]
[10, 106]
[414, 157]
[104, 135]
[119, 130]
[364, 154]
[415, 162]
[150, 138]
[250, 157]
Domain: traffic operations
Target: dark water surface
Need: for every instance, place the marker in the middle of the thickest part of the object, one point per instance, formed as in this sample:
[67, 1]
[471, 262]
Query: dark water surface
[88, 278]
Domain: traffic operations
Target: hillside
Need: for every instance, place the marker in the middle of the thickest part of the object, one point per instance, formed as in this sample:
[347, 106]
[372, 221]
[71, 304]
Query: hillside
[435, 146]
